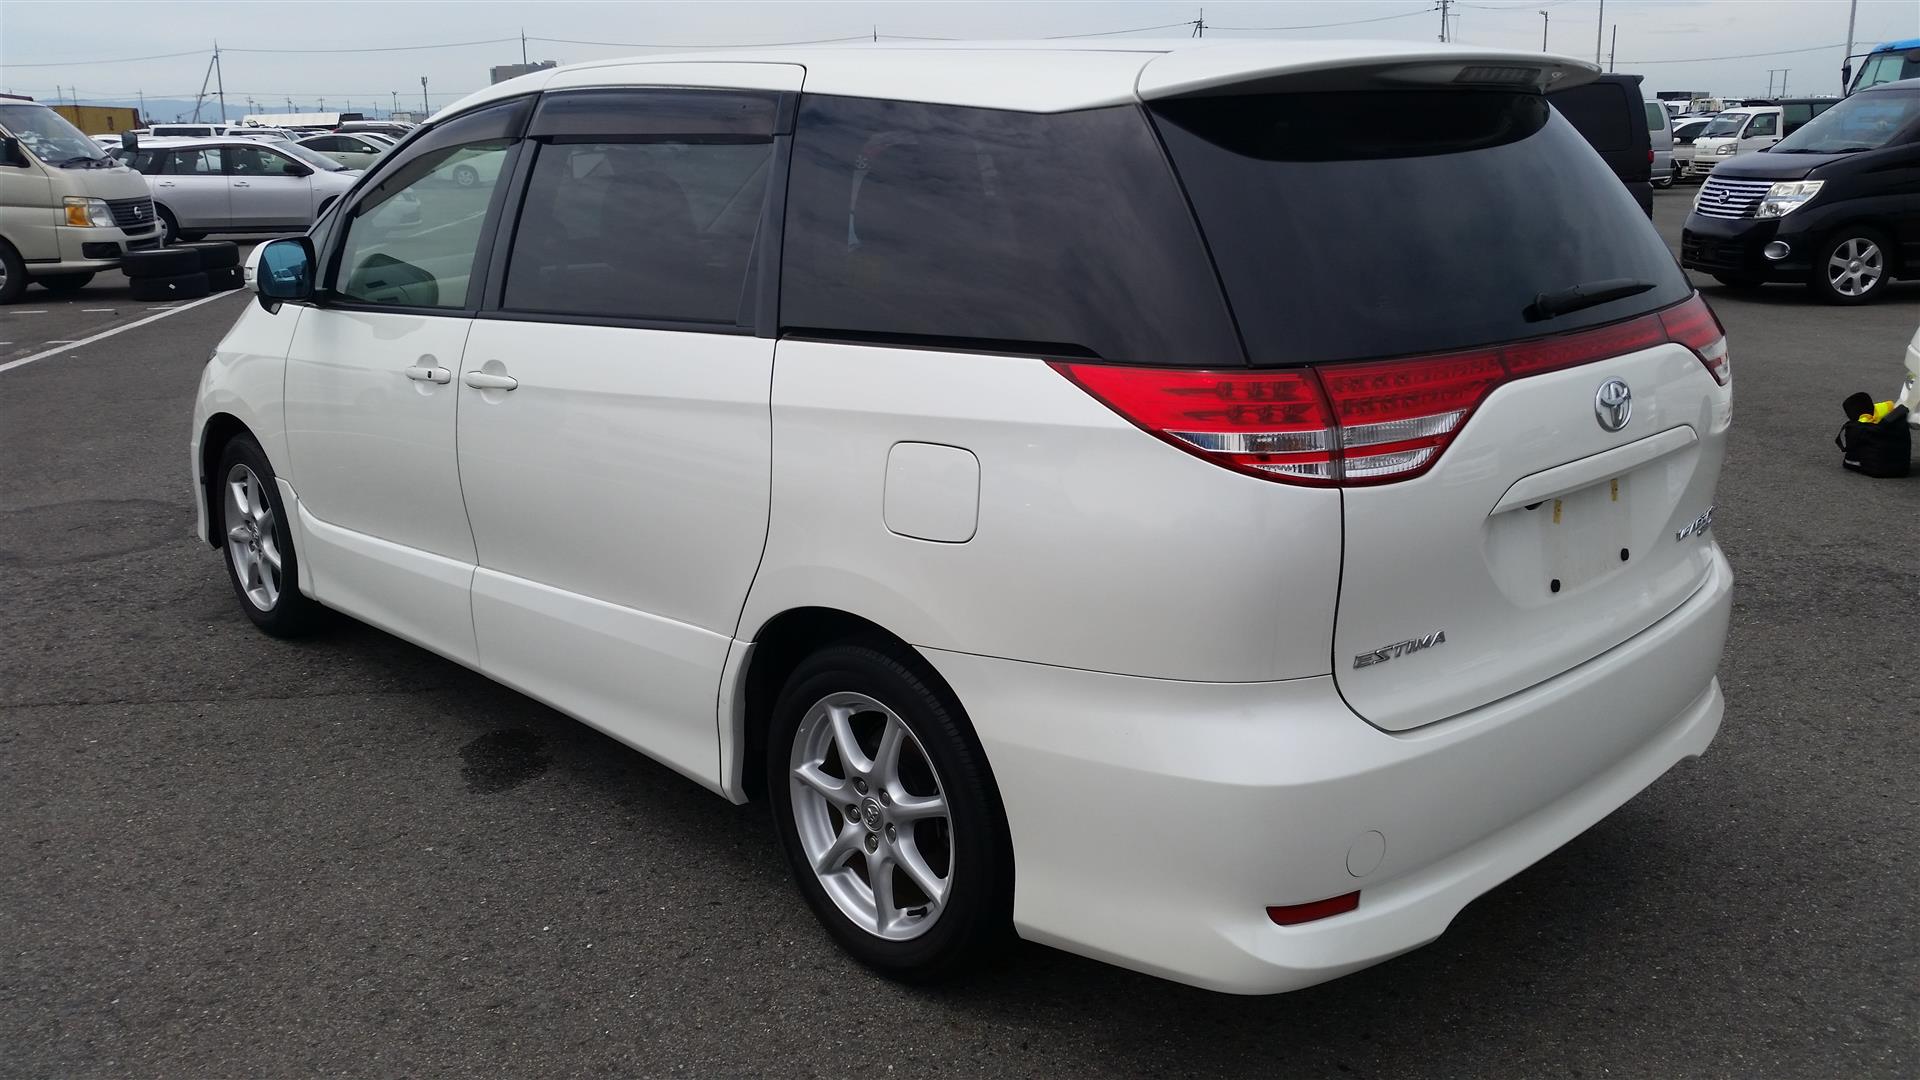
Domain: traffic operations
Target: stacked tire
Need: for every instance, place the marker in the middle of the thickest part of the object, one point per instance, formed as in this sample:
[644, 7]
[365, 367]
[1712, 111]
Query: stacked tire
[182, 271]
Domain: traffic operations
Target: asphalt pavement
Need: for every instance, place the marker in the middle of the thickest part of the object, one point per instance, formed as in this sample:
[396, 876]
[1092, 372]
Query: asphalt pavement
[226, 855]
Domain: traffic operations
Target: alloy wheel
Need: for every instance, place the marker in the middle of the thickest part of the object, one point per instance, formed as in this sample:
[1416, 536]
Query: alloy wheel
[871, 816]
[252, 544]
[1856, 267]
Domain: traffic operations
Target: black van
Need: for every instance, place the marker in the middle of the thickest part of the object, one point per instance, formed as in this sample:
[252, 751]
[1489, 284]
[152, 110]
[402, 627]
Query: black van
[1835, 205]
[1609, 112]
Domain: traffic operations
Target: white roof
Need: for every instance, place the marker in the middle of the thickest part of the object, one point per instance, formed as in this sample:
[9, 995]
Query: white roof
[1059, 76]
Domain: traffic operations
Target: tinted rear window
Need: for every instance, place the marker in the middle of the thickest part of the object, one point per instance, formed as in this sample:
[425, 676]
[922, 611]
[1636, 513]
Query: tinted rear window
[980, 228]
[1601, 112]
[1379, 224]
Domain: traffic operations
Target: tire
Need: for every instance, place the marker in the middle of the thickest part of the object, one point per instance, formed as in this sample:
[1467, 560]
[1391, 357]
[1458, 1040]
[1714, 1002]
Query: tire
[1853, 266]
[253, 537]
[224, 279]
[1739, 281]
[160, 262]
[217, 254]
[964, 916]
[169, 228]
[13, 274]
[465, 176]
[63, 283]
[1664, 182]
[177, 287]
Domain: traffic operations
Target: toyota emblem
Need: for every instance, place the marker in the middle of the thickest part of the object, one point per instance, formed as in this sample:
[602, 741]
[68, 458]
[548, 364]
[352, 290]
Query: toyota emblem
[1613, 404]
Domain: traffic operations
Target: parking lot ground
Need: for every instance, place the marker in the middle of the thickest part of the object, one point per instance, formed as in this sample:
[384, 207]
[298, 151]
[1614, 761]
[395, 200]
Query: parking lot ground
[226, 855]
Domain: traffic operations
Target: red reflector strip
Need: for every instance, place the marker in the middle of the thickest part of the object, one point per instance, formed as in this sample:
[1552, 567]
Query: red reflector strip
[1295, 914]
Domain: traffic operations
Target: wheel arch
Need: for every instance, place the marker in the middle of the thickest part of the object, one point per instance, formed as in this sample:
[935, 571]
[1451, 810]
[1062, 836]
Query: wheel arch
[779, 646]
[215, 434]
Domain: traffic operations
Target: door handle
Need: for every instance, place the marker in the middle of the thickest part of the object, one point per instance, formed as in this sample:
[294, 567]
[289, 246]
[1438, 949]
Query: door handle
[430, 374]
[166, 183]
[241, 183]
[480, 380]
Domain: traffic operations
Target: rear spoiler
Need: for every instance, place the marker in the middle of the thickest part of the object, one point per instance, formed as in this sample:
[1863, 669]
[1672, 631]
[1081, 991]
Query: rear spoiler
[1249, 68]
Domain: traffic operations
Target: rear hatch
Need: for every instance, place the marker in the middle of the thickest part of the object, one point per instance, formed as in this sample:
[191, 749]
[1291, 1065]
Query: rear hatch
[1525, 398]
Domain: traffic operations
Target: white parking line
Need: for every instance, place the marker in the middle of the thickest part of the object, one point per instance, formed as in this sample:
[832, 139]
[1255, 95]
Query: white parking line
[70, 346]
[26, 311]
[60, 341]
[92, 310]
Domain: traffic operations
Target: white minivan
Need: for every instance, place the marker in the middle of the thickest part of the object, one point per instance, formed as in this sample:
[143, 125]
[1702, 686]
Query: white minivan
[985, 457]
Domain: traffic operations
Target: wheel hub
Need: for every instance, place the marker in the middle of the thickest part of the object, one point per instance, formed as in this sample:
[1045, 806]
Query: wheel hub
[870, 814]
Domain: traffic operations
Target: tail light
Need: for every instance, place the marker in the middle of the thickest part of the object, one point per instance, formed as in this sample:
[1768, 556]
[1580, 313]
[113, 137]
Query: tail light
[1372, 422]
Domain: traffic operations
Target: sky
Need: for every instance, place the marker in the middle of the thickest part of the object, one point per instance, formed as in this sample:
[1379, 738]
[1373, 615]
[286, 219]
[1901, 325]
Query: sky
[315, 52]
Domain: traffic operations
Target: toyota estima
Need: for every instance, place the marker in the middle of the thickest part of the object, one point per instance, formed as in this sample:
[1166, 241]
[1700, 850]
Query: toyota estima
[1214, 508]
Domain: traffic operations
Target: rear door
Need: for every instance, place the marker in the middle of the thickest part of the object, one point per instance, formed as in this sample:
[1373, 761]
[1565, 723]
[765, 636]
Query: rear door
[193, 185]
[1500, 526]
[614, 429]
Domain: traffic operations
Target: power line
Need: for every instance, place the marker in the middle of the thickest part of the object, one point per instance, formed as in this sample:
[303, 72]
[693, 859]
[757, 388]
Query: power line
[663, 45]
[1740, 56]
[1429, 9]
[127, 60]
[1110, 33]
[387, 48]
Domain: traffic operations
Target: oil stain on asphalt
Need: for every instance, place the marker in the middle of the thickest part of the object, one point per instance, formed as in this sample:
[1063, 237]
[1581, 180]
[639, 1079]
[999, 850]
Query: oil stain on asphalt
[504, 759]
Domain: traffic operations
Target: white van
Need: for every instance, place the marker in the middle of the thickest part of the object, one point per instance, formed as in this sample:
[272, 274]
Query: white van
[1748, 128]
[67, 210]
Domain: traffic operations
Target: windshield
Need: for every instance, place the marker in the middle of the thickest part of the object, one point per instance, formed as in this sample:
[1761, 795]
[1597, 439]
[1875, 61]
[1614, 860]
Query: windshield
[1725, 124]
[1861, 122]
[312, 157]
[1887, 67]
[46, 135]
[1690, 129]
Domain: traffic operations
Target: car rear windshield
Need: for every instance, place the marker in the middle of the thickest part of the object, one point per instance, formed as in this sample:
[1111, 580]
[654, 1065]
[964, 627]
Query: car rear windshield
[1396, 222]
[1861, 122]
[1602, 112]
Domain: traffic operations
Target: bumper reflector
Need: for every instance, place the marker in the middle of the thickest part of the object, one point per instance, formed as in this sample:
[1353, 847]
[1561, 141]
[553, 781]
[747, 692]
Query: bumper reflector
[1295, 914]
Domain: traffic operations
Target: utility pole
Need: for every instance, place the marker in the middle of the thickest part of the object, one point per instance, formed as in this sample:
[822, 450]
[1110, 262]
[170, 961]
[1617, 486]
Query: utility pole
[1599, 24]
[1543, 31]
[1200, 24]
[425, 109]
[220, 82]
[204, 80]
[143, 106]
[1846, 62]
[289, 104]
[1614, 47]
[396, 103]
[523, 43]
[1443, 19]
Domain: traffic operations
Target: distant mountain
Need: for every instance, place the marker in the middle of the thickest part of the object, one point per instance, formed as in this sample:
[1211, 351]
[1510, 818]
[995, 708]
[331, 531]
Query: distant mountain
[170, 110]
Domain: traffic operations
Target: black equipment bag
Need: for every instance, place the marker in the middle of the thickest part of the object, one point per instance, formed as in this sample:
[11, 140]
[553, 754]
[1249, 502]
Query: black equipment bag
[1884, 449]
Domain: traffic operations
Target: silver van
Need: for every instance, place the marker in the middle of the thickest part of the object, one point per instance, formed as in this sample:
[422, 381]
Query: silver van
[67, 210]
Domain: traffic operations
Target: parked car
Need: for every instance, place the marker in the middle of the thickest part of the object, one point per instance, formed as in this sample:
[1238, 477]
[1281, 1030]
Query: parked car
[1128, 588]
[234, 185]
[374, 127]
[1609, 113]
[1834, 205]
[1660, 134]
[356, 151]
[1684, 132]
[1751, 127]
[67, 211]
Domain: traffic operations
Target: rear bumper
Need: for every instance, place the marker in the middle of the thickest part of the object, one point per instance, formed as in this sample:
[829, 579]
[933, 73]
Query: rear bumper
[1154, 821]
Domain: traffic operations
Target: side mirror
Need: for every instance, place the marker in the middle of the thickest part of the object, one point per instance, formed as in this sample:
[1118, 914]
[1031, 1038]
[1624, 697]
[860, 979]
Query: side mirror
[130, 142]
[283, 271]
[11, 154]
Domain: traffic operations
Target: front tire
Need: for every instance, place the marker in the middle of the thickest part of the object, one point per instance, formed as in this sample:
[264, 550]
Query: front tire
[887, 813]
[63, 284]
[465, 176]
[260, 559]
[1853, 266]
[13, 274]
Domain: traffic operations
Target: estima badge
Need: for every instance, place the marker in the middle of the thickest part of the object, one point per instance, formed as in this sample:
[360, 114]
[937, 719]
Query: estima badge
[1613, 404]
[1400, 648]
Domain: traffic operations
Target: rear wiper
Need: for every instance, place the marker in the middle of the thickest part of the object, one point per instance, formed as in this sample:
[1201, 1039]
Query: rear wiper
[1548, 305]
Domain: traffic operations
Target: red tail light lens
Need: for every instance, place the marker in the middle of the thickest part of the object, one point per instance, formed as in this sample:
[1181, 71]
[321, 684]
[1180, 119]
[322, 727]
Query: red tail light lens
[1295, 914]
[1693, 324]
[1372, 422]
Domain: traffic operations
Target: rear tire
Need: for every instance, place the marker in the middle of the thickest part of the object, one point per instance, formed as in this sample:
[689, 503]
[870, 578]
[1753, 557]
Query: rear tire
[922, 800]
[62, 284]
[245, 511]
[1853, 266]
[169, 228]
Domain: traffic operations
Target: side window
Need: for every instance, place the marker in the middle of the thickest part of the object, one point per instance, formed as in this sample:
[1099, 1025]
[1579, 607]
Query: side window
[1797, 115]
[194, 162]
[1052, 233]
[642, 204]
[647, 230]
[260, 161]
[331, 142]
[1764, 124]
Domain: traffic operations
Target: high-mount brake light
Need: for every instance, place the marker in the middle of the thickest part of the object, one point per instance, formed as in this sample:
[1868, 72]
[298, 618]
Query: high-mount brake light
[1369, 422]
